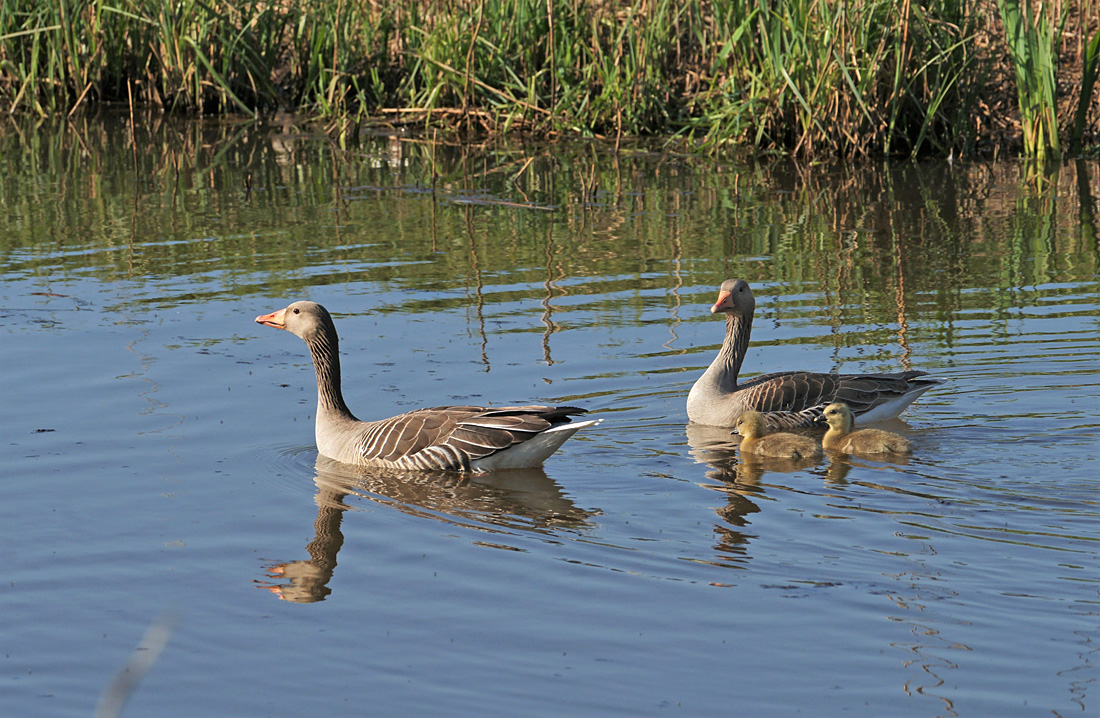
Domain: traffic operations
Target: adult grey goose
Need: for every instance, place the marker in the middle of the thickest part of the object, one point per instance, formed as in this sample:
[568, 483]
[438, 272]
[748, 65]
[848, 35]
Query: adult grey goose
[448, 438]
[790, 398]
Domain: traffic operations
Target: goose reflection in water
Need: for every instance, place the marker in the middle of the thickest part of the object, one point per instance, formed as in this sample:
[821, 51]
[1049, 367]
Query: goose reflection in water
[739, 479]
[713, 446]
[840, 465]
[494, 502]
[716, 447]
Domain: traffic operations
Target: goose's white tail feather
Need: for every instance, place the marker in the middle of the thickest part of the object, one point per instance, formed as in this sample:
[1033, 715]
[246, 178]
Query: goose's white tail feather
[534, 451]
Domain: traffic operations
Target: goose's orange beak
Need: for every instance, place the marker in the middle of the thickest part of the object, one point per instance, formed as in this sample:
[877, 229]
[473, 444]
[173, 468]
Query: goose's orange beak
[275, 319]
[721, 305]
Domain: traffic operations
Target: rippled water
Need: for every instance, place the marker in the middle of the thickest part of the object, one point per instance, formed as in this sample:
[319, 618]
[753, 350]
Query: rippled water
[159, 472]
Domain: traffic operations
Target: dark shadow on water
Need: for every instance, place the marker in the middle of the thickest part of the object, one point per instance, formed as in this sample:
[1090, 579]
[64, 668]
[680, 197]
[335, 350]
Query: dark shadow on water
[497, 502]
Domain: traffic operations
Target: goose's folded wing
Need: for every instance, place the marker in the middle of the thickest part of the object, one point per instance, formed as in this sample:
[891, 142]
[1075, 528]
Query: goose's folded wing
[792, 398]
[863, 392]
[471, 432]
[797, 398]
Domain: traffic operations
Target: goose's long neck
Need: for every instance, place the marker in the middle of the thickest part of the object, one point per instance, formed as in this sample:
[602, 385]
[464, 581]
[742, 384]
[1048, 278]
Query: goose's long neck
[725, 367]
[324, 347]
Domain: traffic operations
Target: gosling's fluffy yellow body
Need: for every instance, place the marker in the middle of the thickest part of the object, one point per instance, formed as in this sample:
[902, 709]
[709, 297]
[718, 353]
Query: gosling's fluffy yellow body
[842, 439]
[756, 440]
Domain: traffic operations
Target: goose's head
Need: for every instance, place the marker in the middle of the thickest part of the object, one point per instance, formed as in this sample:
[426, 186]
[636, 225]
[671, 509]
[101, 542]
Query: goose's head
[838, 415]
[305, 319]
[734, 297]
[750, 425]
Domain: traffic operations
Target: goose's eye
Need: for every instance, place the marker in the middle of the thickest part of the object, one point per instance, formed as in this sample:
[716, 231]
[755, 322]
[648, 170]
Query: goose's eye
[296, 311]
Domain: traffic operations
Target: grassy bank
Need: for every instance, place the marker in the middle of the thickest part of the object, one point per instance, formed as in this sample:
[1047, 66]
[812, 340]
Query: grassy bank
[814, 77]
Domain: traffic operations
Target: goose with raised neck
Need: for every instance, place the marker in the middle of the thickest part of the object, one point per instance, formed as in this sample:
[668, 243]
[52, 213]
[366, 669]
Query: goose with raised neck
[791, 398]
[448, 438]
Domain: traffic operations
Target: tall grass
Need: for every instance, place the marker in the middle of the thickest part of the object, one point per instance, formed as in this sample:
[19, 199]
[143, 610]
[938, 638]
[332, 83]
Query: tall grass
[874, 76]
[1029, 34]
[184, 55]
[865, 77]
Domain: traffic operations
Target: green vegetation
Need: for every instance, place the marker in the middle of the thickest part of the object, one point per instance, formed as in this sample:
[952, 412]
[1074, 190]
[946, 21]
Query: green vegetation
[814, 77]
[1030, 39]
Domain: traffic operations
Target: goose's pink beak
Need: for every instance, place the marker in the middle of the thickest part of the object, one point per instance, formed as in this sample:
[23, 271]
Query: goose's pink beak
[275, 319]
[721, 305]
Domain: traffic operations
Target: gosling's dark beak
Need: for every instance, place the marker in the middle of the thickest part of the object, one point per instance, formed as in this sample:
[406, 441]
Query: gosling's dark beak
[820, 419]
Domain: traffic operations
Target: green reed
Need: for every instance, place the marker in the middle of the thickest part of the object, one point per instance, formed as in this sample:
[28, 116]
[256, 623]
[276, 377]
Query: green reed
[848, 77]
[183, 55]
[1029, 34]
[865, 77]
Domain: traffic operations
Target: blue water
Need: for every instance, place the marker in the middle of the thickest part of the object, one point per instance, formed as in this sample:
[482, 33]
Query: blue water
[159, 469]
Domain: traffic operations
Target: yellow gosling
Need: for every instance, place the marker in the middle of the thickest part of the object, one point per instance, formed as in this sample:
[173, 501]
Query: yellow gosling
[756, 440]
[842, 439]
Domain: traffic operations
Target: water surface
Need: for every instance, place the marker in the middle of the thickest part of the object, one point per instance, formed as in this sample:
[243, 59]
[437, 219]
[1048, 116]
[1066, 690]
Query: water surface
[159, 468]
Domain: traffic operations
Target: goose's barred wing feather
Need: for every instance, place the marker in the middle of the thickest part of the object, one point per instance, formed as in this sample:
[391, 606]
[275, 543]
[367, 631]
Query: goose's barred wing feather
[450, 437]
[796, 398]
